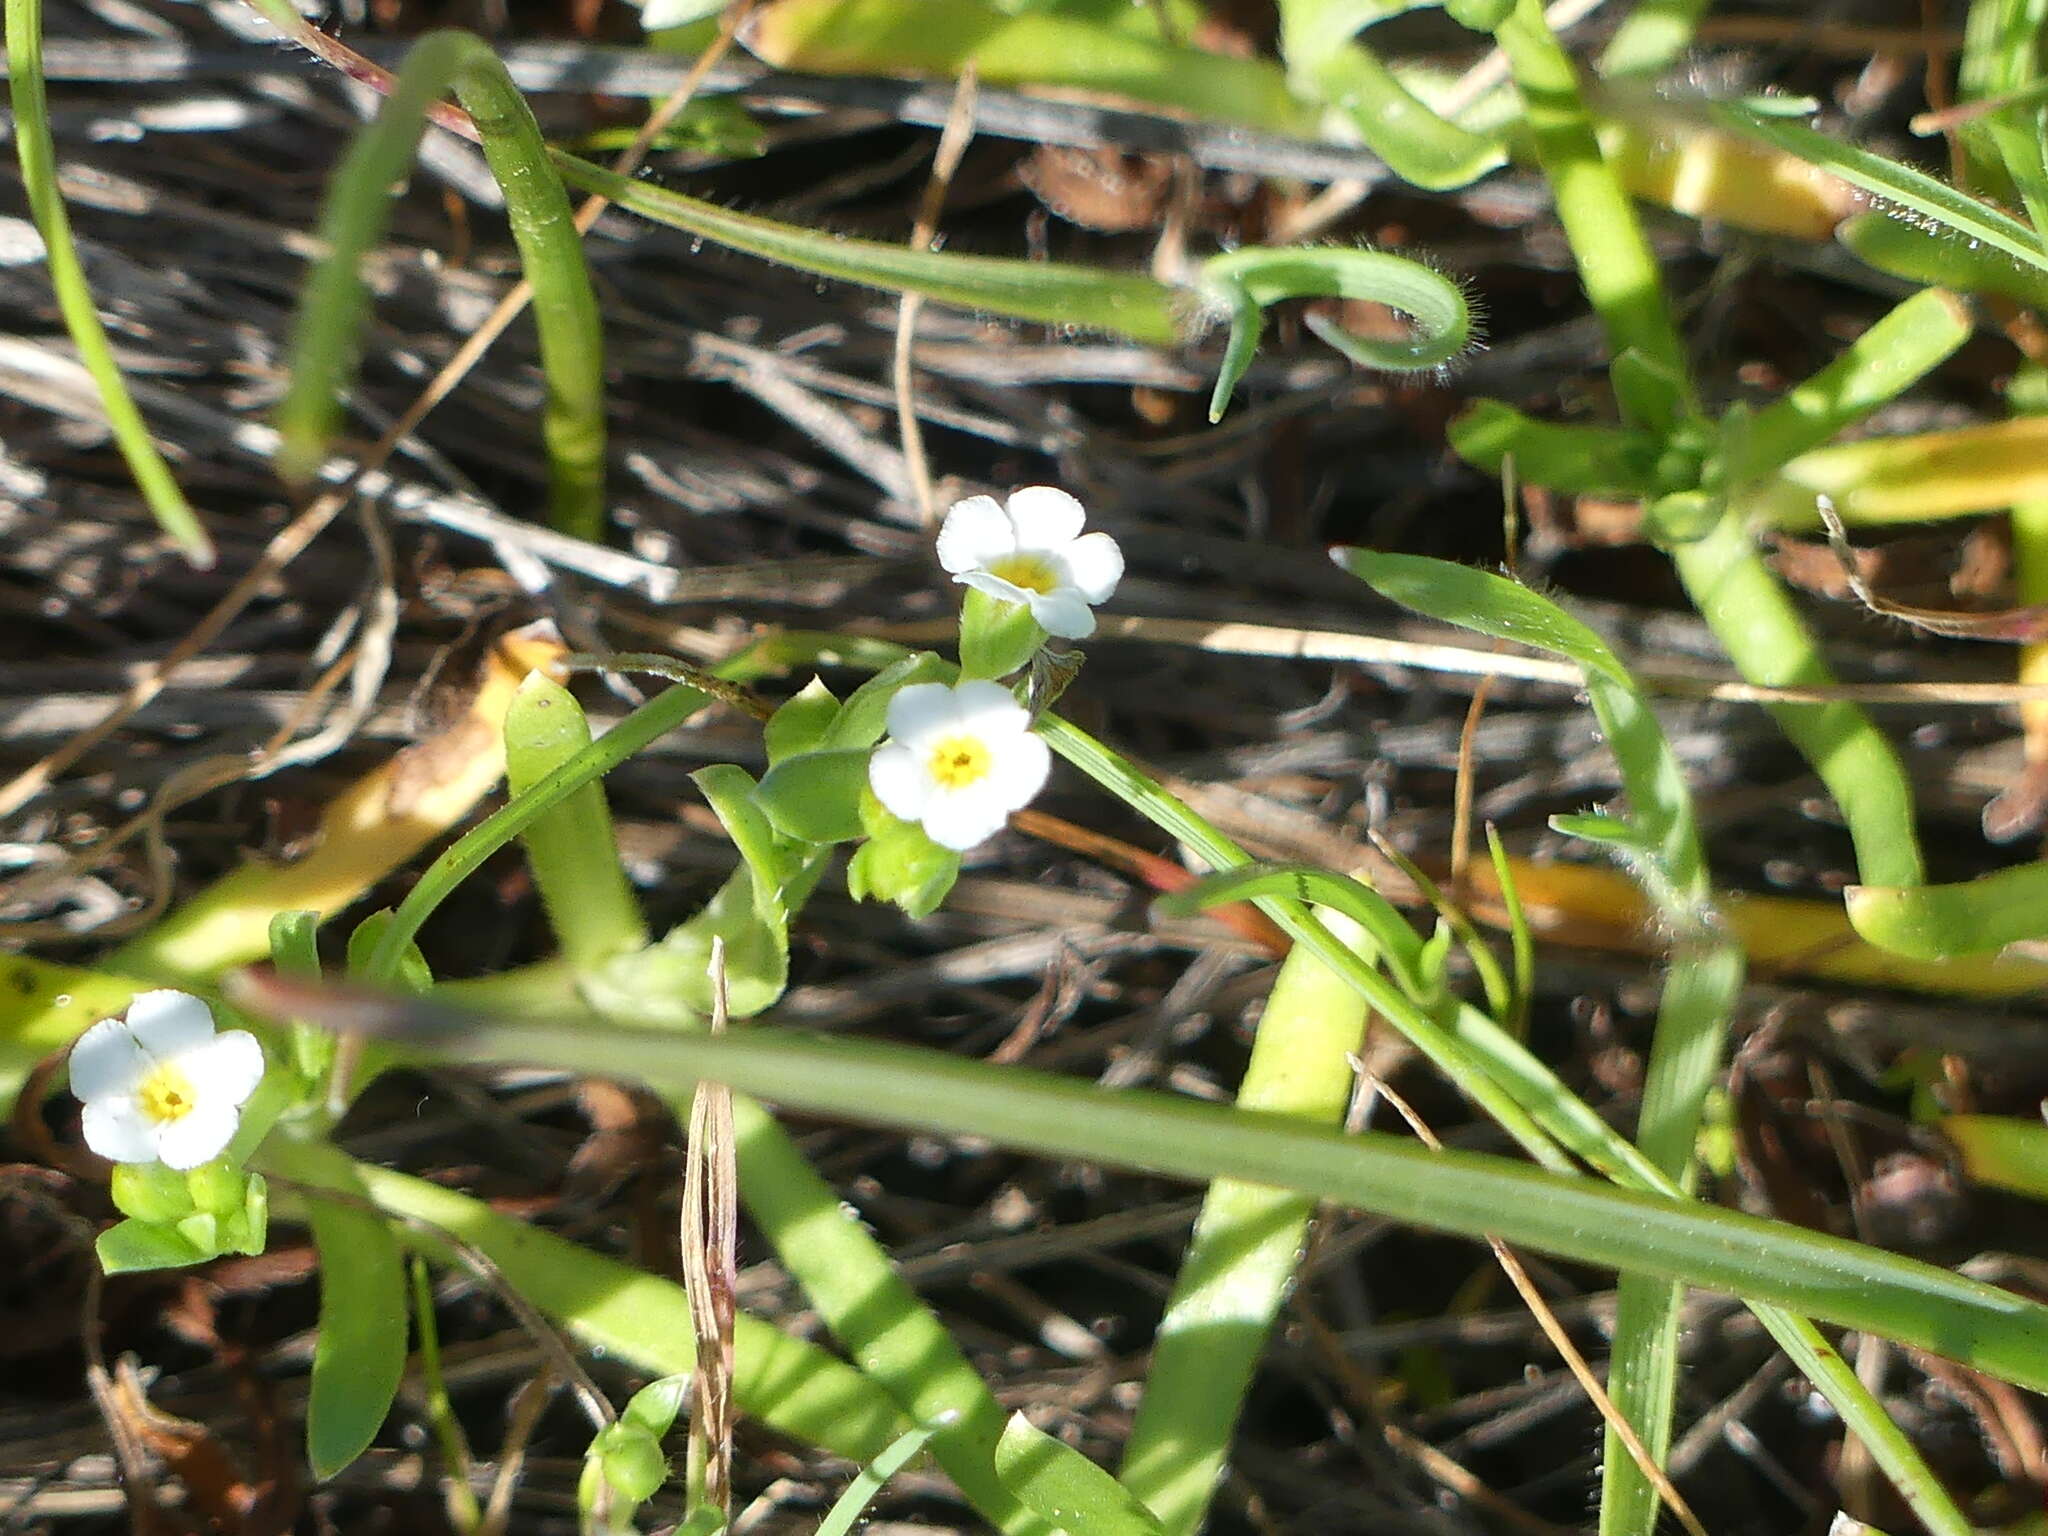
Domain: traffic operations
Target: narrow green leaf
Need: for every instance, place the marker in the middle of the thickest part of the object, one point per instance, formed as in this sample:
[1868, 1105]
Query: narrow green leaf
[1053, 293]
[1022, 45]
[1242, 284]
[613, 1308]
[1942, 257]
[847, 1509]
[1935, 922]
[571, 848]
[1586, 461]
[1241, 1261]
[1065, 1488]
[1571, 1216]
[37, 153]
[333, 302]
[359, 1352]
[1882, 363]
[1915, 192]
[659, 715]
[895, 1339]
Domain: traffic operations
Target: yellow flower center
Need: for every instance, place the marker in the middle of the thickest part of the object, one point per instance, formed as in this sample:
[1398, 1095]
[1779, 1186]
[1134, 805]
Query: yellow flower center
[1034, 573]
[959, 761]
[166, 1095]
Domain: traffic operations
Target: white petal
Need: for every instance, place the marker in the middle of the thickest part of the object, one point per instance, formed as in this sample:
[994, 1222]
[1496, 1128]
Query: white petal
[226, 1069]
[107, 1059]
[1045, 517]
[922, 713]
[975, 533]
[960, 820]
[994, 586]
[1062, 612]
[170, 1023]
[900, 781]
[1094, 565]
[1018, 772]
[199, 1136]
[117, 1129]
[986, 709]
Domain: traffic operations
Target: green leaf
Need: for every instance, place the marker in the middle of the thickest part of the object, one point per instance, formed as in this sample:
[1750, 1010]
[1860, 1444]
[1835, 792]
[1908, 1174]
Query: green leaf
[1586, 461]
[799, 724]
[1912, 190]
[1569, 1215]
[1023, 45]
[1395, 942]
[1937, 922]
[612, 1308]
[815, 796]
[571, 847]
[37, 153]
[1068, 1490]
[658, 716]
[1881, 364]
[359, 1351]
[1326, 61]
[848, 1508]
[866, 715]
[1942, 257]
[334, 299]
[1242, 284]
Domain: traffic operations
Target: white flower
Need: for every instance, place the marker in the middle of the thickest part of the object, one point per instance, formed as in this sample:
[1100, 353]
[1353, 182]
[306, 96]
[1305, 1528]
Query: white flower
[1032, 551]
[160, 1085]
[958, 759]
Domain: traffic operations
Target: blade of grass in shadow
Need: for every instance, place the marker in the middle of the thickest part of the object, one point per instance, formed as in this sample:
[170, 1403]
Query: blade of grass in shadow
[334, 300]
[37, 153]
[1247, 1244]
[1473, 1194]
[359, 1355]
[610, 1307]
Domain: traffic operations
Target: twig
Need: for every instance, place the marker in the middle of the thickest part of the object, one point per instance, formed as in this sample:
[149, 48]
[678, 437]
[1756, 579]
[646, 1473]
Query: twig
[953, 142]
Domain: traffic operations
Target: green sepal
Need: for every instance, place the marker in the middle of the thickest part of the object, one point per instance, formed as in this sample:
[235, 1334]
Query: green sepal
[899, 864]
[996, 637]
[151, 1193]
[131, 1246]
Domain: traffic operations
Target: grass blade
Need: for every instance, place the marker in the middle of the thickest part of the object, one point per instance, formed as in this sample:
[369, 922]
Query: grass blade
[333, 302]
[37, 153]
[1568, 1215]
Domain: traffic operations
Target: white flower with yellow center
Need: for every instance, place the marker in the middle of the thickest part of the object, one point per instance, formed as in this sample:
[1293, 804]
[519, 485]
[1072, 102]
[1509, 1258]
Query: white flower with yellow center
[1031, 550]
[160, 1086]
[958, 759]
